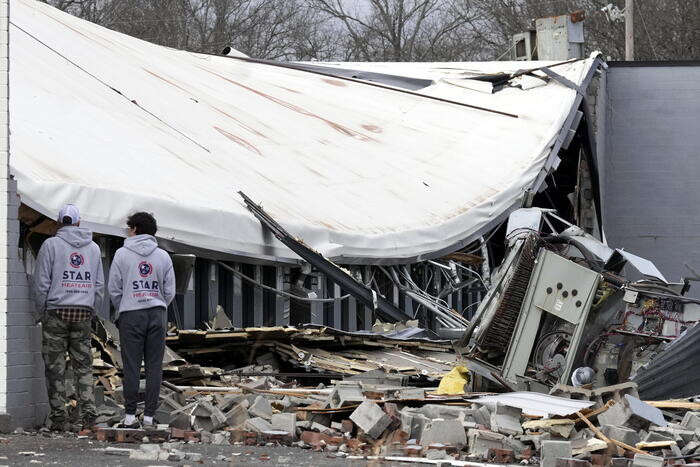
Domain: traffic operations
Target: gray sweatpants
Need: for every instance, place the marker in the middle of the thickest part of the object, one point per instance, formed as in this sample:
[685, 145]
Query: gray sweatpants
[142, 338]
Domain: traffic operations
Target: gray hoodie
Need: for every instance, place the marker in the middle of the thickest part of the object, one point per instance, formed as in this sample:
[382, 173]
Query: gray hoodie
[141, 276]
[68, 272]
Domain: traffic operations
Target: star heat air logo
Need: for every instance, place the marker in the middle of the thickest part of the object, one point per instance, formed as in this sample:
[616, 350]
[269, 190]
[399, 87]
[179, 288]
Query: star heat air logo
[76, 260]
[145, 269]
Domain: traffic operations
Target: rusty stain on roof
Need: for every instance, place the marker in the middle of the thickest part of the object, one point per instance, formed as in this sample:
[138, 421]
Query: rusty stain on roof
[239, 140]
[372, 128]
[240, 123]
[336, 126]
[166, 80]
[334, 82]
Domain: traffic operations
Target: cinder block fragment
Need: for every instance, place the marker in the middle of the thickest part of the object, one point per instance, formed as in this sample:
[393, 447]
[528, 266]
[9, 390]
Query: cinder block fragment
[506, 420]
[632, 413]
[646, 460]
[257, 424]
[261, 408]
[553, 450]
[621, 433]
[691, 420]
[690, 448]
[413, 423]
[448, 432]
[236, 416]
[654, 436]
[345, 395]
[480, 441]
[371, 419]
[285, 422]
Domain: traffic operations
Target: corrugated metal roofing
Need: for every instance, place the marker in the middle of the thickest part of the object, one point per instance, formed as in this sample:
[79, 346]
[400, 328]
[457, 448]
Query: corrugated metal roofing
[533, 403]
[115, 124]
[673, 372]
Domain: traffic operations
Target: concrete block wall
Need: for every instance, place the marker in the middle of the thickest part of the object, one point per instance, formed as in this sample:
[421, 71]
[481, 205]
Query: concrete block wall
[22, 387]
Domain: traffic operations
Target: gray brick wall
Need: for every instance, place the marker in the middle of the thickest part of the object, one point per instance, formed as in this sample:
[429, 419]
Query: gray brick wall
[22, 388]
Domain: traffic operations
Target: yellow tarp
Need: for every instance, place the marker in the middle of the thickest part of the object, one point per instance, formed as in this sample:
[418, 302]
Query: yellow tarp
[454, 381]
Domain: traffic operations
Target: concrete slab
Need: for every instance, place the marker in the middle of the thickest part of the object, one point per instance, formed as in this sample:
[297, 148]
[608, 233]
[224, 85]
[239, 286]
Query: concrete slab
[371, 419]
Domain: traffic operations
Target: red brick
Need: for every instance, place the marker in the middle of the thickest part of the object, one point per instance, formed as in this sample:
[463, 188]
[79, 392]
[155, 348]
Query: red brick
[501, 456]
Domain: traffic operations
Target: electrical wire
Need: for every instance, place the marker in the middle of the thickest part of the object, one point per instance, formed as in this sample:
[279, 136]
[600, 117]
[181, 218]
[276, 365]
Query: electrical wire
[644, 23]
[277, 291]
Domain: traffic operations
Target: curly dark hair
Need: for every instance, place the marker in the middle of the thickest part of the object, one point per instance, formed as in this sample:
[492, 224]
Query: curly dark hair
[142, 223]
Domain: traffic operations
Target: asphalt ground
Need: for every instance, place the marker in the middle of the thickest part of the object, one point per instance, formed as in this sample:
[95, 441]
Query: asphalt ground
[33, 449]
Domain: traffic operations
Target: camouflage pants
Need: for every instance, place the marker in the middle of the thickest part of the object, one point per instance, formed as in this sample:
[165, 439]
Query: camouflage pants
[59, 337]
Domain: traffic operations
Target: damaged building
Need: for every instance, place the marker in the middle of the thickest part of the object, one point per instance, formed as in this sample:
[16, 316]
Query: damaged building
[373, 222]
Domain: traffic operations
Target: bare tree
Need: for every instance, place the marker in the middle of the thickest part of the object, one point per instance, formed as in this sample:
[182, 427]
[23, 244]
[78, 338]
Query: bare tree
[270, 29]
[664, 29]
[402, 30]
[387, 30]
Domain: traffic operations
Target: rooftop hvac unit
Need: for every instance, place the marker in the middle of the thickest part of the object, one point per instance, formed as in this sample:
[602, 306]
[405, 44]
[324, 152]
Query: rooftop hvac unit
[525, 46]
[560, 37]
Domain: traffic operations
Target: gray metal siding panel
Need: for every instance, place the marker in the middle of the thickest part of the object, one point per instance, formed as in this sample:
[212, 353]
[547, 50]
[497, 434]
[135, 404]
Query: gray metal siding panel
[652, 165]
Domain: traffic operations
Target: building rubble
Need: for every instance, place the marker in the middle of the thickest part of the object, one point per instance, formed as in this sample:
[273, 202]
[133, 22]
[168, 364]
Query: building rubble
[543, 373]
[387, 413]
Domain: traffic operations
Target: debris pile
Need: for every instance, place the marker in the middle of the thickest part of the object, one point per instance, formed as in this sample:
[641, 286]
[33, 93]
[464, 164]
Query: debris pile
[375, 414]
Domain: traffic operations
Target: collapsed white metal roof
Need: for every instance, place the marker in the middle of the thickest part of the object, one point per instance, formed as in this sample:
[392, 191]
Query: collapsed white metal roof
[360, 173]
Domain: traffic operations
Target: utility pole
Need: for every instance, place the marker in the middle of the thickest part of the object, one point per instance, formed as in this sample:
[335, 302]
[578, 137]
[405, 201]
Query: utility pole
[629, 30]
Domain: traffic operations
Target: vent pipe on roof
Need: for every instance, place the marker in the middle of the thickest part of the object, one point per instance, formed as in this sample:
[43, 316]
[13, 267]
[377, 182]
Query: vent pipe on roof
[231, 52]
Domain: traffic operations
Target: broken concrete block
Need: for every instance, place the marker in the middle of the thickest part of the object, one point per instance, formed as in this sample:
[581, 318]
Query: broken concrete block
[690, 448]
[621, 433]
[447, 432]
[261, 408]
[321, 428]
[646, 460]
[632, 413]
[480, 441]
[654, 436]
[447, 412]
[117, 451]
[680, 436]
[371, 419]
[553, 450]
[691, 420]
[182, 421]
[236, 416]
[144, 455]
[285, 422]
[506, 420]
[411, 394]
[514, 445]
[620, 462]
[257, 424]
[413, 423]
[436, 454]
[343, 396]
[220, 438]
[482, 416]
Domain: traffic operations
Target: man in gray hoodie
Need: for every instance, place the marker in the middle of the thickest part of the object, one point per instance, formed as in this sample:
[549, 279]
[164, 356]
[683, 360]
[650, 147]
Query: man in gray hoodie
[68, 285]
[141, 286]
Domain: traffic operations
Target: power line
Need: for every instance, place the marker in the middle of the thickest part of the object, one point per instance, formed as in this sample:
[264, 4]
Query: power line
[644, 23]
